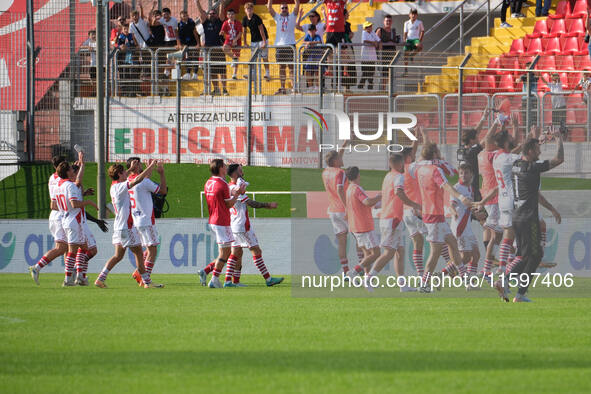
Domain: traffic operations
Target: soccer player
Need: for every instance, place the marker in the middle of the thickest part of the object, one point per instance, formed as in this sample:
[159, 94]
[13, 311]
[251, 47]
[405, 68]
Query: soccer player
[461, 221]
[244, 236]
[55, 224]
[219, 201]
[358, 206]
[526, 181]
[125, 235]
[432, 184]
[335, 183]
[393, 198]
[71, 204]
[142, 211]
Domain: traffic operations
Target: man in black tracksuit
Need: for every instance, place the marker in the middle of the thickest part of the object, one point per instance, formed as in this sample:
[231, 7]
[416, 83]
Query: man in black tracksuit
[526, 186]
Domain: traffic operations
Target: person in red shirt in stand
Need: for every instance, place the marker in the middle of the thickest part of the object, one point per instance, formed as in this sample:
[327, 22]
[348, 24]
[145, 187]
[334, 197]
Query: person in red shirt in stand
[219, 201]
[232, 32]
[334, 15]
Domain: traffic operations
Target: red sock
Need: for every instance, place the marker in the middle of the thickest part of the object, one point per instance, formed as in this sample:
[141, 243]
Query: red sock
[149, 267]
[417, 259]
[209, 267]
[445, 253]
[426, 277]
[236, 276]
[80, 258]
[230, 268]
[358, 269]
[450, 269]
[473, 267]
[258, 261]
[512, 264]
[216, 273]
[504, 252]
[70, 264]
[487, 266]
[43, 262]
[345, 265]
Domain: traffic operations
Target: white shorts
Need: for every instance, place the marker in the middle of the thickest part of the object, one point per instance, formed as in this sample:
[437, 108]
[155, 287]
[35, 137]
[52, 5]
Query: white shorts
[506, 218]
[413, 223]
[57, 231]
[436, 232]
[264, 52]
[391, 237]
[90, 241]
[75, 235]
[467, 241]
[126, 238]
[245, 240]
[492, 221]
[223, 235]
[148, 235]
[368, 239]
[339, 223]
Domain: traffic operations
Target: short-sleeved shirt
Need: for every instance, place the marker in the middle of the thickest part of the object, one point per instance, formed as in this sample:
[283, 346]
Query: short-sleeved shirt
[285, 34]
[52, 185]
[158, 34]
[392, 206]
[187, 32]
[240, 221]
[431, 180]
[316, 38]
[67, 192]
[459, 224]
[141, 32]
[217, 192]
[211, 30]
[503, 165]
[368, 52]
[253, 25]
[558, 100]
[358, 214]
[170, 28]
[526, 186]
[92, 45]
[122, 204]
[413, 30]
[411, 184]
[233, 30]
[320, 28]
[335, 16]
[332, 178]
[142, 205]
[489, 180]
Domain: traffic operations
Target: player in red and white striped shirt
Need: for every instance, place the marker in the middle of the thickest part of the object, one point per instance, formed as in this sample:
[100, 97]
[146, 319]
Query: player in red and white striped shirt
[244, 236]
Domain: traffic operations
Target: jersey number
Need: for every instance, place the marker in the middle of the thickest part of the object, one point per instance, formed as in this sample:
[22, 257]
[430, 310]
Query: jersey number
[131, 199]
[61, 202]
[500, 179]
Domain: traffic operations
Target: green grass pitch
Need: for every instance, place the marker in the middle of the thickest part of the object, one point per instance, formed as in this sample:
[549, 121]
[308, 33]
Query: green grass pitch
[187, 338]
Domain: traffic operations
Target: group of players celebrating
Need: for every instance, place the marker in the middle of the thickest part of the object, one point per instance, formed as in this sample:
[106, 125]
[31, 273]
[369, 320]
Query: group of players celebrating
[416, 195]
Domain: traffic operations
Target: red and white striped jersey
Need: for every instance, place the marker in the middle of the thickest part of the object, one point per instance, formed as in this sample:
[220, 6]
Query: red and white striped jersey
[65, 193]
[52, 186]
[142, 206]
[458, 225]
[121, 202]
[240, 222]
[503, 164]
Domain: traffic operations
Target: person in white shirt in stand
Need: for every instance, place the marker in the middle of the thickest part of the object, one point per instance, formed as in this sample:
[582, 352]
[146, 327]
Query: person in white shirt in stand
[285, 36]
[90, 46]
[244, 236]
[171, 29]
[369, 57]
[125, 235]
[413, 37]
[141, 31]
[142, 211]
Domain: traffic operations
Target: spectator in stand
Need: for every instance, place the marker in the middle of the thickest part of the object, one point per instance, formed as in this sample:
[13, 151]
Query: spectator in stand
[314, 20]
[348, 56]
[90, 46]
[212, 26]
[413, 36]
[156, 28]
[232, 32]
[369, 57]
[116, 30]
[188, 37]
[311, 56]
[504, 7]
[140, 29]
[558, 101]
[543, 11]
[532, 92]
[334, 14]
[585, 85]
[285, 37]
[258, 35]
[389, 39]
[126, 43]
[516, 9]
[588, 35]
[171, 29]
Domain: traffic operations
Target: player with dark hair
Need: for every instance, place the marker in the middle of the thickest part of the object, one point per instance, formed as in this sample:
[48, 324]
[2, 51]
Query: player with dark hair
[526, 186]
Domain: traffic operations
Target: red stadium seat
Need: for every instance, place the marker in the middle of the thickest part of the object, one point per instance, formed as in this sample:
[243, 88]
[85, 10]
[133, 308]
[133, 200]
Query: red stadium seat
[579, 9]
[508, 63]
[494, 62]
[576, 26]
[565, 62]
[486, 83]
[551, 45]
[543, 86]
[470, 83]
[562, 9]
[540, 29]
[546, 63]
[573, 79]
[570, 45]
[558, 28]
[506, 83]
[582, 62]
[564, 80]
[517, 47]
[523, 60]
[535, 47]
